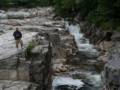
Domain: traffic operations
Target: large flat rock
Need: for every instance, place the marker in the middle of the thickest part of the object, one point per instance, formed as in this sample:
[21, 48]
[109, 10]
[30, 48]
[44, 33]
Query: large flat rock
[7, 43]
[16, 85]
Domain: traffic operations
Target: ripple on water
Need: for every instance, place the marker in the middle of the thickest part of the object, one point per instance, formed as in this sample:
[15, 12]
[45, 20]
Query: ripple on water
[88, 81]
[66, 82]
[82, 43]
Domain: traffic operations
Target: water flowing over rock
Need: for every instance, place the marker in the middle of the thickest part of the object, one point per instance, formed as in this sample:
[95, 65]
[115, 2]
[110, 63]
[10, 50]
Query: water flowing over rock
[86, 81]
[82, 43]
[64, 80]
[61, 82]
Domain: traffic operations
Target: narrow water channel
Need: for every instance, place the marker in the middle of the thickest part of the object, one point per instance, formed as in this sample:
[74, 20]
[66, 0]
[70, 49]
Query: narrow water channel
[88, 81]
[83, 43]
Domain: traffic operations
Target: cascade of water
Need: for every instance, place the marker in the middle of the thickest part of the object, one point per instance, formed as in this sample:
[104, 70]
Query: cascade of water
[62, 81]
[90, 82]
[82, 43]
[84, 46]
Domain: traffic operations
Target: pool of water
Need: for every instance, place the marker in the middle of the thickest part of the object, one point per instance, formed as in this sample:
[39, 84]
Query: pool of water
[87, 82]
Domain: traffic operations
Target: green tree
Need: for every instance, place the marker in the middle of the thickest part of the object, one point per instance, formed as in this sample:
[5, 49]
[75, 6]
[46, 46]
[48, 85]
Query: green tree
[5, 3]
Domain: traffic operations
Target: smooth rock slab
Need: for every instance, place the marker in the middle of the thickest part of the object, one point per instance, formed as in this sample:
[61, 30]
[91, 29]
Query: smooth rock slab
[16, 85]
[7, 43]
[14, 15]
[18, 15]
[111, 75]
[3, 16]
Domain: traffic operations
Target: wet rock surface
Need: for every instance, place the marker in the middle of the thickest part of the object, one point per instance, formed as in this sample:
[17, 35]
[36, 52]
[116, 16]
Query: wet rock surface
[111, 71]
[16, 85]
[108, 43]
[76, 59]
[35, 24]
[72, 57]
[7, 43]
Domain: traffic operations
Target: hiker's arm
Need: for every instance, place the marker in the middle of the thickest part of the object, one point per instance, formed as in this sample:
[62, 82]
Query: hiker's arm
[20, 35]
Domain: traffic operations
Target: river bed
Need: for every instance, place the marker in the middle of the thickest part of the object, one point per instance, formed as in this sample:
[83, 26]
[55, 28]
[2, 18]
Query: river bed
[77, 79]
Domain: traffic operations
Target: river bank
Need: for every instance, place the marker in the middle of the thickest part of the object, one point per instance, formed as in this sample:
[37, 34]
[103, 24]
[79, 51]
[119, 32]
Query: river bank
[109, 41]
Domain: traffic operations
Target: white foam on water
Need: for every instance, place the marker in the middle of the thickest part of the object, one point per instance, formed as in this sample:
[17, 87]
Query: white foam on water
[66, 81]
[95, 79]
[83, 44]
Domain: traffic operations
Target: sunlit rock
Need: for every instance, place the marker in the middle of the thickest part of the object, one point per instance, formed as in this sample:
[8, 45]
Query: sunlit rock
[17, 85]
[18, 15]
[3, 16]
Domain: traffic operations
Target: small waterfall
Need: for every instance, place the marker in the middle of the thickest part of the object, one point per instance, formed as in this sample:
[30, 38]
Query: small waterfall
[90, 81]
[67, 82]
[83, 44]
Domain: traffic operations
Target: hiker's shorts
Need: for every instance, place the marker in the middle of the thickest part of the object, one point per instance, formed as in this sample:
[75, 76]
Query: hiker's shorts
[19, 41]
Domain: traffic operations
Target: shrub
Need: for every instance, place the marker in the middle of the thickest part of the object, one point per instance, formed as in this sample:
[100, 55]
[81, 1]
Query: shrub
[29, 49]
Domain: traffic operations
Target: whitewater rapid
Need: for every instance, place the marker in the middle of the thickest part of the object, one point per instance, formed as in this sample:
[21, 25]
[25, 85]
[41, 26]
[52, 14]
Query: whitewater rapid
[82, 43]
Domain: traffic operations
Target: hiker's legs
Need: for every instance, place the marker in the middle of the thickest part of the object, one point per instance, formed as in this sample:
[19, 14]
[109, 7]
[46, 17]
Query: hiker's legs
[21, 43]
[17, 43]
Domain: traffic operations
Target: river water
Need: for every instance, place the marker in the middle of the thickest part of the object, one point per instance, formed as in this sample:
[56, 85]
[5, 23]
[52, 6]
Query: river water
[89, 81]
[83, 43]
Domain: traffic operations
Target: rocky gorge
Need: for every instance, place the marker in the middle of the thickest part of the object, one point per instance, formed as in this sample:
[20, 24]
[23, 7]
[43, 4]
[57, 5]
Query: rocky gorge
[57, 55]
[108, 43]
[28, 68]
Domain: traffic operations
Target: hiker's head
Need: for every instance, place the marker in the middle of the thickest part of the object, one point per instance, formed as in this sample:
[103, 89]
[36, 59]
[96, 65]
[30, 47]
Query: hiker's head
[17, 29]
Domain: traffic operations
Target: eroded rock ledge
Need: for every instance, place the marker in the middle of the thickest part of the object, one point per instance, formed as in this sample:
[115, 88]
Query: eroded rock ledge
[111, 73]
[18, 69]
[19, 72]
[110, 53]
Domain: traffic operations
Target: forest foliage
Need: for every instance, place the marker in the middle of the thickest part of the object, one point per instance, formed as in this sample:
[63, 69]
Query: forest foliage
[25, 3]
[104, 13]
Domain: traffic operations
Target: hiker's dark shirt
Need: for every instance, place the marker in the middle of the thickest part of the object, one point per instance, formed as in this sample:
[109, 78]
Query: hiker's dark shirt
[17, 35]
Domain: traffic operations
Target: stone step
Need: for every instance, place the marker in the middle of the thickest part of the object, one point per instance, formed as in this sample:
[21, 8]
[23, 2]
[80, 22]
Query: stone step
[18, 74]
[16, 85]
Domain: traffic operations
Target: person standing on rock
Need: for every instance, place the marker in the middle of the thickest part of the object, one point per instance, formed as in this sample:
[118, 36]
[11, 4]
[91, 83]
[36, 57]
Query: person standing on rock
[18, 38]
